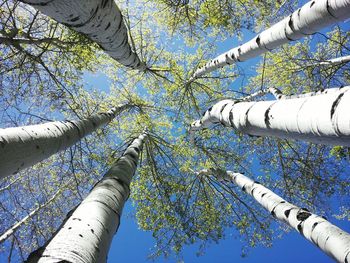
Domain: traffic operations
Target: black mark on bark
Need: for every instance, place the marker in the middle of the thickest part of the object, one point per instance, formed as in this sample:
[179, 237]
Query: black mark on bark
[287, 212]
[300, 228]
[258, 41]
[291, 23]
[302, 216]
[75, 19]
[335, 104]
[267, 117]
[230, 118]
[223, 107]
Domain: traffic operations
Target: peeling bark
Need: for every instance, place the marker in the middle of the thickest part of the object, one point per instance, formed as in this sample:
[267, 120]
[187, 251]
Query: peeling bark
[319, 117]
[329, 238]
[87, 232]
[22, 147]
[99, 20]
[307, 20]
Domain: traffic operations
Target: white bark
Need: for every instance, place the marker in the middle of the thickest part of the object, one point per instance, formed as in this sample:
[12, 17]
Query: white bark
[307, 20]
[325, 63]
[275, 92]
[22, 147]
[17, 225]
[329, 238]
[334, 61]
[87, 233]
[320, 117]
[100, 20]
[10, 184]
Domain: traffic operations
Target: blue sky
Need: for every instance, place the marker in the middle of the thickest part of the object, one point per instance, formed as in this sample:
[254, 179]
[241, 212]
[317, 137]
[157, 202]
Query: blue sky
[133, 245]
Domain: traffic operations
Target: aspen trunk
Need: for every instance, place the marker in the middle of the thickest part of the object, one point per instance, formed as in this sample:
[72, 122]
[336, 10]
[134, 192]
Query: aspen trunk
[17, 225]
[307, 20]
[333, 61]
[25, 146]
[87, 233]
[275, 92]
[319, 117]
[329, 238]
[99, 20]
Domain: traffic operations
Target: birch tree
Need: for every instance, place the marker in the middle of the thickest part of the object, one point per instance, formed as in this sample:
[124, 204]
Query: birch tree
[85, 236]
[24, 146]
[178, 209]
[329, 238]
[101, 21]
[74, 171]
[307, 20]
[292, 117]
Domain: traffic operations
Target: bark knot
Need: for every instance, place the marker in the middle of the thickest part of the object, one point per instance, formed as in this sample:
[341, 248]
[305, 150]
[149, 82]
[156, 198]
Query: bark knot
[287, 212]
[303, 215]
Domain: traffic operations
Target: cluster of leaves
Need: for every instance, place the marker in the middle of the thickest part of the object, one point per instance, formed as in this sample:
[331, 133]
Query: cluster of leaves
[183, 208]
[295, 68]
[217, 18]
[179, 207]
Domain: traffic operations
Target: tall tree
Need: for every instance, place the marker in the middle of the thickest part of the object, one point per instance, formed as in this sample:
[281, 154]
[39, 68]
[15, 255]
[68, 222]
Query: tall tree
[33, 49]
[290, 117]
[24, 146]
[176, 206]
[85, 236]
[74, 170]
[101, 21]
[307, 20]
[329, 238]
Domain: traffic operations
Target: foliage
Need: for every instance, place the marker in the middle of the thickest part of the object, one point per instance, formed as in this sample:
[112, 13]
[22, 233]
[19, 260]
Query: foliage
[43, 70]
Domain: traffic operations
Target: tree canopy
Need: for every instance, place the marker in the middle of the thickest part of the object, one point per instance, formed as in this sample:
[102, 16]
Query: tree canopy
[48, 72]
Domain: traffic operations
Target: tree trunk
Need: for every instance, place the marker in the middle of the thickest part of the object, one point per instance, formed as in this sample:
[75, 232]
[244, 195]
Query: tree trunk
[25, 146]
[275, 92]
[99, 20]
[319, 117]
[330, 62]
[329, 238]
[307, 20]
[9, 232]
[87, 232]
